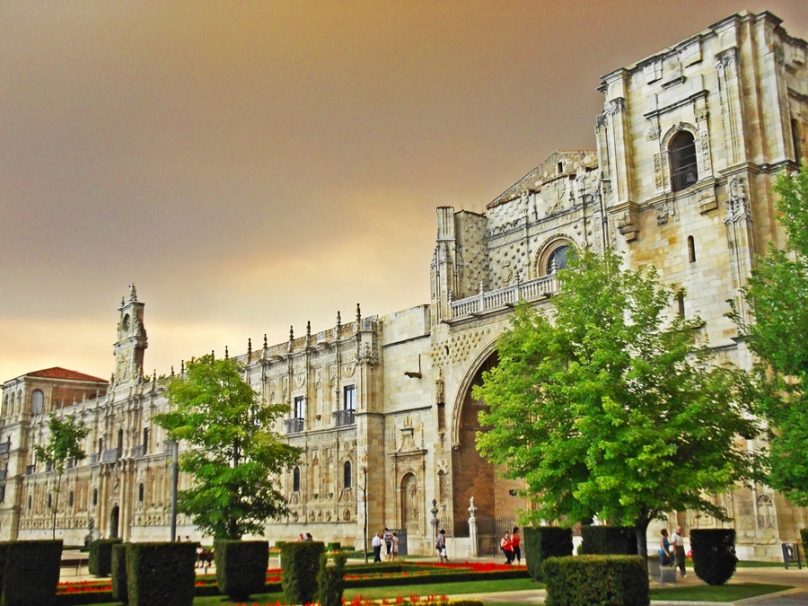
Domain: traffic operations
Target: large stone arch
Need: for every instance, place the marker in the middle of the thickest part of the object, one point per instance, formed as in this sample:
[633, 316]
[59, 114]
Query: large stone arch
[472, 475]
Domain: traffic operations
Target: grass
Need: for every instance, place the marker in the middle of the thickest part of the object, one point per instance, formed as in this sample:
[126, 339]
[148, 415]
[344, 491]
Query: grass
[715, 593]
[759, 564]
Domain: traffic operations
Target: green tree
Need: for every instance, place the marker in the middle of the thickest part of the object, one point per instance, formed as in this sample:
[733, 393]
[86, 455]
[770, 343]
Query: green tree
[607, 406]
[776, 295]
[64, 443]
[234, 456]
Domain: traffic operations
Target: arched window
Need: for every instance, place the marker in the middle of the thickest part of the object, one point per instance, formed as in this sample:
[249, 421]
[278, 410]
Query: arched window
[37, 402]
[70, 499]
[691, 249]
[296, 479]
[557, 259]
[140, 492]
[95, 496]
[347, 479]
[50, 500]
[682, 155]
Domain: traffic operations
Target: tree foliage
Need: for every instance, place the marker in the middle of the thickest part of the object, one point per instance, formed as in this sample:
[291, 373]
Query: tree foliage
[64, 443]
[610, 408]
[776, 295]
[234, 455]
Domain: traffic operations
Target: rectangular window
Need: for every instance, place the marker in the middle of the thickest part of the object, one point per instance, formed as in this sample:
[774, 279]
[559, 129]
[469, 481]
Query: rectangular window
[298, 407]
[145, 440]
[349, 397]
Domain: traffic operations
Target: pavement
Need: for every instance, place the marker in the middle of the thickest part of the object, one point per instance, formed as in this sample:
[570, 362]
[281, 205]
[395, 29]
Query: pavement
[798, 578]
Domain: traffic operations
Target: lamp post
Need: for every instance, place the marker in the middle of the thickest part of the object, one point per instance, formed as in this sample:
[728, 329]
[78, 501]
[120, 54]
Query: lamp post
[175, 473]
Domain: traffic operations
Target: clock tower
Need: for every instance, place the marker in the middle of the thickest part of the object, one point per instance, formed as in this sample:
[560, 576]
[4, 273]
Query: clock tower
[132, 342]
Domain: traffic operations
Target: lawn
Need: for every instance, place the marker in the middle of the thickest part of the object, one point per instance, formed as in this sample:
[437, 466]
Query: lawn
[715, 593]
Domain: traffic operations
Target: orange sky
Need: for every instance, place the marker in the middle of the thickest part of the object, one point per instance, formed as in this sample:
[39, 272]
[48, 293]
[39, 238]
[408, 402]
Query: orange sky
[251, 165]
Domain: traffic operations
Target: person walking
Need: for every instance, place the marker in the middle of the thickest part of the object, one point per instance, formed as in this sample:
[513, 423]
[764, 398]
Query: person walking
[516, 544]
[664, 551]
[440, 546]
[678, 543]
[387, 537]
[506, 546]
[394, 553]
[377, 543]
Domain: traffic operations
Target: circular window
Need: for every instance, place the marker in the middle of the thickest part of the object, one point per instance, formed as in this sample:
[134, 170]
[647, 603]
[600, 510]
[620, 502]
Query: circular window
[557, 259]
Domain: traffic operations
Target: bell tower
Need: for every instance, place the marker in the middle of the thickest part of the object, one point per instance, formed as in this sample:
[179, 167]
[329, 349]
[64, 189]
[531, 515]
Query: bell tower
[132, 342]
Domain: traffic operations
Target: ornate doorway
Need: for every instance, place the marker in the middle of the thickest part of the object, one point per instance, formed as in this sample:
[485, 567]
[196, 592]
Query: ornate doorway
[114, 518]
[410, 501]
[474, 476]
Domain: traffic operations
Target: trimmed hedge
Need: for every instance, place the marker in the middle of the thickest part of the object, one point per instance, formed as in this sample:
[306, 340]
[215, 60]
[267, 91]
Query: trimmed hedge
[604, 540]
[334, 546]
[605, 580]
[241, 567]
[119, 572]
[29, 572]
[714, 558]
[542, 543]
[160, 573]
[100, 562]
[300, 563]
[330, 581]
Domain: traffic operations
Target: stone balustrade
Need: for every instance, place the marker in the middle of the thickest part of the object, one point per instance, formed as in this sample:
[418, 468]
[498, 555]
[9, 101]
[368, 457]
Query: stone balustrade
[531, 290]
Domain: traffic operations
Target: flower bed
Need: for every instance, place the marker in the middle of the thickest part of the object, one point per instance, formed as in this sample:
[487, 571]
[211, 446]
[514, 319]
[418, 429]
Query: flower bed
[359, 576]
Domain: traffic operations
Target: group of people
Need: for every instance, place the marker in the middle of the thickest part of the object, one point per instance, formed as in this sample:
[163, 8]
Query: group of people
[387, 540]
[511, 546]
[672, 550]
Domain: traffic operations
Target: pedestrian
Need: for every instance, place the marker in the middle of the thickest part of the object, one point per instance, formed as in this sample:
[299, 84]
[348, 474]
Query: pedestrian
[394, 553]
[678, 543]
[440, 546]
[308, 538]
[387, 537]
[377, 547]
[516, 544]
[665, 557]
[506, 545]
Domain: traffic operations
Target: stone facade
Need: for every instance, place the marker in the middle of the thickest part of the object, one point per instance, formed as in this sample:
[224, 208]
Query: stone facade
[687, 148]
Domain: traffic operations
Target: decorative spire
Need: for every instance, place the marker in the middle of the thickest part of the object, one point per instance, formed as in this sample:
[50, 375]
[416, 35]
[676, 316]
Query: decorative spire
[212, 355]
[123, 302]
[339, 319]
[265, 340]
[182, 368]
[226, 353]
[132, 292]
[172, 371]
[358, 314]
[249, 350]
[291, 333]
[308, 329]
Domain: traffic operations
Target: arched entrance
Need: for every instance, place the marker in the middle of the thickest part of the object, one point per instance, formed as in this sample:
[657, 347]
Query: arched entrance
[114, 518]
[410, 516]
[474, 476]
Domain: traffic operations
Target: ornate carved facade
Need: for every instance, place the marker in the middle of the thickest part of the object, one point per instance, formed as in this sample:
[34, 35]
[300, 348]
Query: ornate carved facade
[686, 150]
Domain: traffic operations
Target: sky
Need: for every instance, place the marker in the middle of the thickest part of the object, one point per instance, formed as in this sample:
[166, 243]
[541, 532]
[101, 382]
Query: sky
[256, 165]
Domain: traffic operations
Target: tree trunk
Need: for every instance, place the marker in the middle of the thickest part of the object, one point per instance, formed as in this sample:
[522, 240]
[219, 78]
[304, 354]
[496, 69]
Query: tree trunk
[641, 532]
